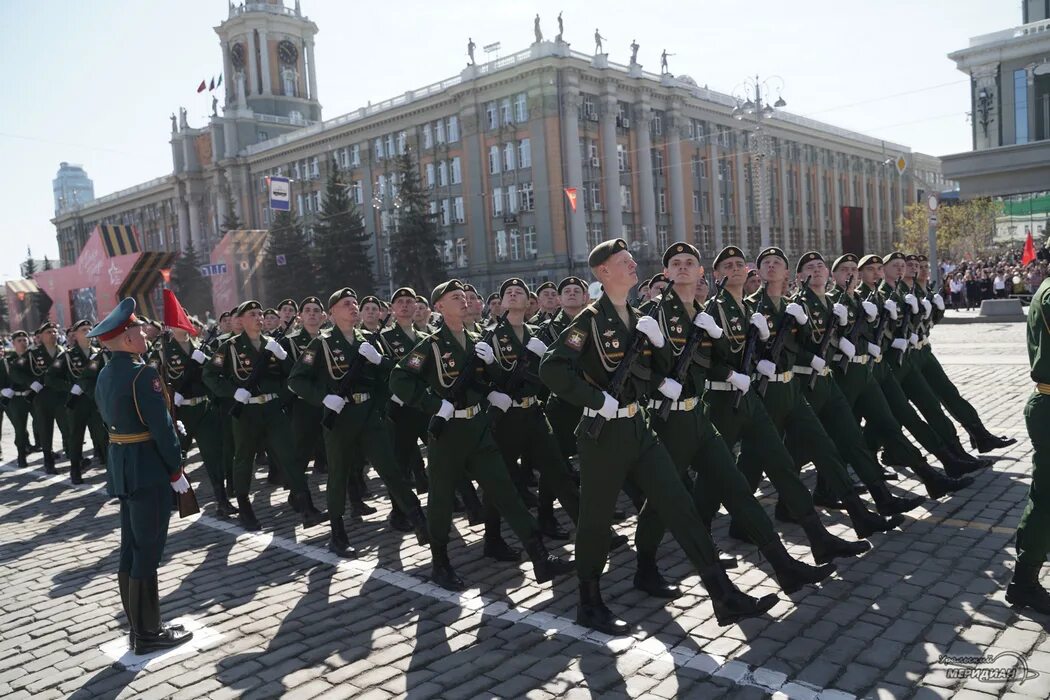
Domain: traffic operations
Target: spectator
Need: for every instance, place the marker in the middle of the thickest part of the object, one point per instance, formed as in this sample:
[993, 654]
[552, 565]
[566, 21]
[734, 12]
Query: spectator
[957, 290]
[999, 285]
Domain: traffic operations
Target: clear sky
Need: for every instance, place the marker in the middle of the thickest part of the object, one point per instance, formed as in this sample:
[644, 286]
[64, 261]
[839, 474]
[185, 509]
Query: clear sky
[93, 82]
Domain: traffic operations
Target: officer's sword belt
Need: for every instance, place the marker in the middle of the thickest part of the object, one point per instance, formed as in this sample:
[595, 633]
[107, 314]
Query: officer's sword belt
[1042, 388]
[129, 438]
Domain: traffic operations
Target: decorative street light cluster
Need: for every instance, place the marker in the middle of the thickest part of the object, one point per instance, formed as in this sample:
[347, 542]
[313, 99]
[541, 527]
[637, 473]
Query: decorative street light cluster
[750, 106]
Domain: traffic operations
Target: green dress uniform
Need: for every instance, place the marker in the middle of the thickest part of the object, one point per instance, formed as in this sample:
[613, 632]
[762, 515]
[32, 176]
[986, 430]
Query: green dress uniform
[47, 404]
[144, 461]
[309, 442]
[361, 426]
[223, 405]
[410, 424]
[562, 415]
[18, 404]
[76, 370]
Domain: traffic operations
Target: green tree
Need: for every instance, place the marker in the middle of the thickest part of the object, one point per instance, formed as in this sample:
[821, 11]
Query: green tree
[414, 257]
[4, 324]
[230, 222]
[29, 266]
[189, 285]
[287, 270]
[47, 264]
[341, 243]
[967, 228]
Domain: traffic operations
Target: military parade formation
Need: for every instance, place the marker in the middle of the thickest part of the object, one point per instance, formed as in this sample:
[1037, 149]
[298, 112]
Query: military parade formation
[680, 393]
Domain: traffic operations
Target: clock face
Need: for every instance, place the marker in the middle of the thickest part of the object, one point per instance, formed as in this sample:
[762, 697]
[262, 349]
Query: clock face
[287, 53]
[237, 55]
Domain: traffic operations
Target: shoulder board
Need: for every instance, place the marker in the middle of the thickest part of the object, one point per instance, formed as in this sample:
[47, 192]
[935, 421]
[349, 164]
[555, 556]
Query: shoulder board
[589, 310]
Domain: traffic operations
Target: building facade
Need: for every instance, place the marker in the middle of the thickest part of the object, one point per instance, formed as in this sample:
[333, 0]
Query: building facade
[72, 187]
[652, 158]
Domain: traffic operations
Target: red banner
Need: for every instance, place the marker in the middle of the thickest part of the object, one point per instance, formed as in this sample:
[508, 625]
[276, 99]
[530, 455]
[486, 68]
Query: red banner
[570, 192]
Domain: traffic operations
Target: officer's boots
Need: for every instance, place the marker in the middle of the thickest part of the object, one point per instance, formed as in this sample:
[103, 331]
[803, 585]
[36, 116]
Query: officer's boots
[495, 546]
[547, 521]
[471, 502]
[339, 543]
[791, 573]
[398, 520]
[49, 462]
[223, 508]
[74, 472]
[1025, 591]
[358, 507]
[545, 565]
[826, 546]
[246, 515]
[938, 484]
[955, 465]
[311, 516]
[730, 603]
[418, 519]
[23, 457]
[592, 612]
[866, 523]
[888, 505]
[647, 578]
[150, 634]
[441, 571]
[983, 441]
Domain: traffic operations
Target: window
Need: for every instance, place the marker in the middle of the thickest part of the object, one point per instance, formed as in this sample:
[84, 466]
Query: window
[661, 237]
[501, 244]
[355, 155]
[662, 197]
[621, 157]
[512, 201]
[628, 232]
[453, 129]
[262, 137]
[595, 191]
[658, 161]
[357, 192]
[696, 202]
[521, 110]
[588, 109]
[379, 149]
[457, 209]
[504, 112]
[402, 142]
[1021, 106]
[490, 112]
[390, 152]
[427, 139]
[497, 201]
[508, 156]
[442, 174]
[526, 197]
[657, 123]
[446, 212]
[524, 154]
[299, 202]
[457, 175]
[515, 243]
[315, 171]
[430, 174]
[288, 82]
[439, 134]
[381, 185]
[528, 239]
[595, 234]
[625, 197]
[494, 159]
[317, 201]
[461, 252]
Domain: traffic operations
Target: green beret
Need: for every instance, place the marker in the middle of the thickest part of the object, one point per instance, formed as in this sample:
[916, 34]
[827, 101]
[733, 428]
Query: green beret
[895, 255]
[605, 250]
[370, 299]
[752, 273]
[869, 259]
[340, 294]
[468, 287]
[844, 258]
[403, 292]
[245, 307]
[728, 252]
[532, 296]
[679, 248]
[224, 314]
[922, 258]
[311, 300]
[569, 281]
[771, 251]
[420, 299]
[79, 324]
[444, 288]
[658, 277]
[19, 334]
[546, 285]
[808, 257]
[513, 282]
[492, 297]
[911, 257]
[270, 312]
[287, 302]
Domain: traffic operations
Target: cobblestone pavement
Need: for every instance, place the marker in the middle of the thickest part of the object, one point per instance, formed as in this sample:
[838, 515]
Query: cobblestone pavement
[276, 615]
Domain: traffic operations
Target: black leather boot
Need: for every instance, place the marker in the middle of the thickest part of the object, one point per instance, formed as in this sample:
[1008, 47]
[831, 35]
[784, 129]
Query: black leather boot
[495, 546]
[339, 541]
[592, 613]
[959, 451]
[730, 603]
[955, 466]
[441, 571]
[49, 462]
[150, 634]
[23, 458]
[545, 565]
[549, 523]
[887, 504]
[1025, 591]
[223, 508]
[865, 523]
[124, 585]
[358, 507]
[983, 441]
[398, 520]
[826, 546]
[311, 516]
[74, 472]
[790, 573]
[647, 578]
[471, 503]
[418, 519]
[938, 484]
[246, 515]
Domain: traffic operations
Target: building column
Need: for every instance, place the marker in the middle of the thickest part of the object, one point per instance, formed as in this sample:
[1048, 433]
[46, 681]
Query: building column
[570, 129]
[714, 193]
[195, 222]
[836, 200]
[264, 57]
[804, 198]
[647, 190]
[741, 201]
[785, 223]
[543, 104]
[311, 70]
[610, 169]
[823, 234]
[676, 180]
[987, 76]
[255, 74]
[184, 224]
[474, 180]
[878, 206]
[866, 217]
[887, 199]
[230, 88]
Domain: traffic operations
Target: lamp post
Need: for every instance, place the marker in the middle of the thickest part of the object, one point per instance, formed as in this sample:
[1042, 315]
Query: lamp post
[750, 106]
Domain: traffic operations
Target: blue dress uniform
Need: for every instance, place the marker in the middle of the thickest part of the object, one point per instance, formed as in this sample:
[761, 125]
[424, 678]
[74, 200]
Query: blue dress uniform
[144, 461]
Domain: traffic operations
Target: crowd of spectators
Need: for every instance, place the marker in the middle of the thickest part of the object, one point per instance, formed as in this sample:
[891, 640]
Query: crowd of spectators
[997, 275]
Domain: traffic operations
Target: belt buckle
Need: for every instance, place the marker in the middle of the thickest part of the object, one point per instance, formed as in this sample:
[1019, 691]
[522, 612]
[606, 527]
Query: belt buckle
[690, 403]
[631, 410]
[471, 411]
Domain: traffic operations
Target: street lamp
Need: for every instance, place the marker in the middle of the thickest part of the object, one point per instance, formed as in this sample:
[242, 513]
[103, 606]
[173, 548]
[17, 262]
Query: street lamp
[749, 104]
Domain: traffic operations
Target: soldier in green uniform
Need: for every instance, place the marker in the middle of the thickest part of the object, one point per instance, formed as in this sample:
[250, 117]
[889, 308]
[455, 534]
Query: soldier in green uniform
[694, 443]
[464, 446]
[74, 375]
[1033, 532]
[421, 319]
[144, 467]
[562, 415]
[261, 420]
[229, 326]
[548, 296]
[578, 368]
[48, 404]
[493, 306]
[309, 441]
[346, 374]
[287, 310]
[17, 394]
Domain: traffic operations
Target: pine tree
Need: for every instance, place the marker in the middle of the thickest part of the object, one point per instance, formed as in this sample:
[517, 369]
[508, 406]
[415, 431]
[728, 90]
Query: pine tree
[341, 243]
[47, 264]
[189, 285]
[3, 313]
[288, 270]
[414, 257]
[29, 266]
[230, 222]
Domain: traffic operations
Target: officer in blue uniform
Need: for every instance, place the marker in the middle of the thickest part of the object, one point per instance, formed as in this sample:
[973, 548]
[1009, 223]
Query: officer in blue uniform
[144, 467]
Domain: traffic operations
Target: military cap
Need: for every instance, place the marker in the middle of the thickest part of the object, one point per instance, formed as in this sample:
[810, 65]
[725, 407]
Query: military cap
[922, 258]
[513, 282]
[658, 277]
[340, 294]
[370, 299]
[310, 300]
[726, 253]
[245, 307]
[270, 312]
[546, 285]
[403, 292]
[895, 255]
[116, 322]
[78, 325]
[492, 297]
[420, 299]
[808, 257]
[771, 251]
[844, 258]
[444, 288]
[384, 304]
[468, 287]
[869, 259]
[287, 302]
[752, 273]
[532, 296]
[605, 250]
[679, 248]
[644, 284]
[46, 325]
[19, 334]
[911, 257]
[224, 314]
[570, 280]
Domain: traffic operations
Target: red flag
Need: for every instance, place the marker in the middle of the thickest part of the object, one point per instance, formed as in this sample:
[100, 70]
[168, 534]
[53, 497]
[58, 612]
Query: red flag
[1029, 250]
[203, 86]
[570, 192]
[174, 315]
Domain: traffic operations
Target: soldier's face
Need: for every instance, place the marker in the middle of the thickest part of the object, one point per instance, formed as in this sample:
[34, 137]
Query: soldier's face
[287, 313]
[656, 289]
[473, 304]
[701, 290]
[619, 271]
[252, 321]
[345, 312]
[735, 269]
[495, 308]
[514, 299]
[370, 314]
[224, 325]
[49, 337]
[843, 272]
[136, 339]
[312, 316]
[893, 269]
[453, 306]
[683, 269]
[643, 292]
[21, 344]
[180, 335]
[912, 267]
[548, 299]
[924, 271]
[422, 314]
[404, 308]
[817, 272]
[572, 296]
[773, 270]
[270, 323]
[871, 274]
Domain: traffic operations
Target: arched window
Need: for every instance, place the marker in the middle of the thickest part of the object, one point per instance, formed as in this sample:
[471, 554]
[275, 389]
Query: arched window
[290, 82]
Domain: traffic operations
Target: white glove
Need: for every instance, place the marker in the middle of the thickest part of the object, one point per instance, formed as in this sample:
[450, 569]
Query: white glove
[891, 306]
[899, 344]
[759, 321]
[766, 368]
[670, 388]
[870, 309]
[914, 340]
[841, 313]
[649, 326]
[76, 390]
[178, 399]
[874, 350]
[37, 387]
[797, 312]
[938, 301]
[446, 410]
[927, 308]
[7, 393]
[609, 407]
[334, 403]
[182, 485]
[536, 346]
[847, 348]
[275, 348]
[818, 364]
[706, 322]
[912, 302]
[369, 352]
[500, 400]
[484, 351]
[395, 399]
[741, 382]
[199, 357]
[242, 395]
[180, 427]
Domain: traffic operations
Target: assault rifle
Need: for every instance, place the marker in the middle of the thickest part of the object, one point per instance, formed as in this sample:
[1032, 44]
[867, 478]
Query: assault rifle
[262, 360]
[905, 318]
[592, 427]
[825, 342]
[787, 322]
[750, 347]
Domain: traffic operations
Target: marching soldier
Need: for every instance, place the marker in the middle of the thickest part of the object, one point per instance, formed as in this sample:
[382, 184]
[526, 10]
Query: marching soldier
[421, 319]
[145, 465]
[271, 321]
[17, 394]
[562, 415]
[48, 410]
[493, 305]
[547, 295]
[474, 308]
[309, 442]
[287, 310]
[370, 311]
